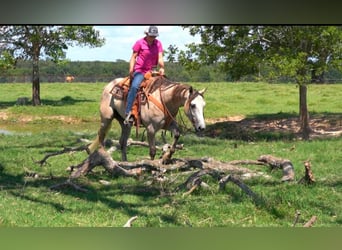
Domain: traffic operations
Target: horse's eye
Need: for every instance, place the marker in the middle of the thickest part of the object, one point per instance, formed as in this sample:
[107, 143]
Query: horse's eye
[193, 106]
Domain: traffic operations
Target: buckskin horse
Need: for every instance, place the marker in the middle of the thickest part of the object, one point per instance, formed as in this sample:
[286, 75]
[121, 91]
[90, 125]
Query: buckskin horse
[162, 100]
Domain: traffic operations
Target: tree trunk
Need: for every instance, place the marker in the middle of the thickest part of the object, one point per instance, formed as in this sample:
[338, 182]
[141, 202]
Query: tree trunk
[303, 112]
[35, 76]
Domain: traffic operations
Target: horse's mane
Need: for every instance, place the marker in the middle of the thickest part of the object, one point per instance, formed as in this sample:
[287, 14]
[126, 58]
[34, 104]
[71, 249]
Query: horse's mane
[165, 83]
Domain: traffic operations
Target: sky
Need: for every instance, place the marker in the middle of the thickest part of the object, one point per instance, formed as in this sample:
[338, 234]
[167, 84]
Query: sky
[120, 39]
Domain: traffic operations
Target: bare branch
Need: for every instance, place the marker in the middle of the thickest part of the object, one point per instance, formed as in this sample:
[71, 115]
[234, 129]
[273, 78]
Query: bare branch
[129, 222]
[310, 222]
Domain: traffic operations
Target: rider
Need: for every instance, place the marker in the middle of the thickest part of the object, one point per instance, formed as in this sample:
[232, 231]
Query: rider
[147, 54]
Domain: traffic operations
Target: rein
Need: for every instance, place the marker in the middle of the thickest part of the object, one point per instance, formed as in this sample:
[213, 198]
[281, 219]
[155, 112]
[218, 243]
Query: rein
[162, 107]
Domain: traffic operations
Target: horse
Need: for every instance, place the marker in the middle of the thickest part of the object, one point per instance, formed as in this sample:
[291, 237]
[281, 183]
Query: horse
[162, 104]
[69, 79]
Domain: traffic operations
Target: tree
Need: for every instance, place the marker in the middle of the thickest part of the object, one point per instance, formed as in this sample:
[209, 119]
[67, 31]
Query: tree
[34, 42]
[300, 52]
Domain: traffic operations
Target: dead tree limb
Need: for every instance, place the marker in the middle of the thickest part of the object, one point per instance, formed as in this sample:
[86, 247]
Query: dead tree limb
[129, 222]
[240, 184]
[195, 178]
[284, 164]
[296, 218]
[65, 150]
[247, 162]
[309, 177]
[131, 142]
[103, 158]
[310, 222]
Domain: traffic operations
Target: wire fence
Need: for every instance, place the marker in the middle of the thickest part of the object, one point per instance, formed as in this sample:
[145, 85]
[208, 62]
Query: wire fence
[46, 78]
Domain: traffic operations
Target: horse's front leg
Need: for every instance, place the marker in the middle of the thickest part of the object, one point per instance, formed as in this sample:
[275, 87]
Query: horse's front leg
[151, 137]
[166, 158]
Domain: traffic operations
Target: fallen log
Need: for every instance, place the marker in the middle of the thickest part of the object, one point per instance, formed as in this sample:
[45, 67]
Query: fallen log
[284, 164]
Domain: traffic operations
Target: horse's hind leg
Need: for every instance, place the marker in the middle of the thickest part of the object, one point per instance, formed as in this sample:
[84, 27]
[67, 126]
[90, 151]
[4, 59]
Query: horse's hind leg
[125, 133]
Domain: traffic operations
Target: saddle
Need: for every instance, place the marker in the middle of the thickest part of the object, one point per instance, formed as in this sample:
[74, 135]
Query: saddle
[120, 91]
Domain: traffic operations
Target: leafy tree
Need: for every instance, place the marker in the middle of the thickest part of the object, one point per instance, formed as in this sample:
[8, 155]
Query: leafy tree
[299, 52]
[34, 42]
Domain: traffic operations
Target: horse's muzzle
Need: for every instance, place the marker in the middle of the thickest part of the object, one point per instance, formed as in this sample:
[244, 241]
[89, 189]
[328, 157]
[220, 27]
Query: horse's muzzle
[199, 128]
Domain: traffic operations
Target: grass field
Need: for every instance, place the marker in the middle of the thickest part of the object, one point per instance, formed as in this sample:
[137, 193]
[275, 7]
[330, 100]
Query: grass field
[70, 112]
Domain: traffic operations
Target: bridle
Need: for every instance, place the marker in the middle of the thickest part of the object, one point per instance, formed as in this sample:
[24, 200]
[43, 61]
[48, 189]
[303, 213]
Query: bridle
[187, 106]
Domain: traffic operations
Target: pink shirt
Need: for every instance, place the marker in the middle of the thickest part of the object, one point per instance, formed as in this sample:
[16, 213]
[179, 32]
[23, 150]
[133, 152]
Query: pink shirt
[147, 54]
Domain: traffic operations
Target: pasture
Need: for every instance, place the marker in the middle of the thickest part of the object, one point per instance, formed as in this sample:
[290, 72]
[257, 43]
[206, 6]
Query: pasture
[244, 121]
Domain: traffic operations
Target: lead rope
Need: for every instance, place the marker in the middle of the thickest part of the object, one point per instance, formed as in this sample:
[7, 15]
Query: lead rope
[170, 116]
[183, 126]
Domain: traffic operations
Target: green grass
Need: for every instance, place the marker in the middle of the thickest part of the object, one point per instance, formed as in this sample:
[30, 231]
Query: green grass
[36, 131]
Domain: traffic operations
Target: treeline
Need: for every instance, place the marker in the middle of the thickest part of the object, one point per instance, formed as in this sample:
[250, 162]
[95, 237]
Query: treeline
[100, 71]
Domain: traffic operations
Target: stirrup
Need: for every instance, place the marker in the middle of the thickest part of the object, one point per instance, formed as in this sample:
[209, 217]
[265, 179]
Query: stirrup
[129, 119]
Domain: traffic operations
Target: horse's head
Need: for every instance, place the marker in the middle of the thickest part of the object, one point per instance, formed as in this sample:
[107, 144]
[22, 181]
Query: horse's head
[194, 107]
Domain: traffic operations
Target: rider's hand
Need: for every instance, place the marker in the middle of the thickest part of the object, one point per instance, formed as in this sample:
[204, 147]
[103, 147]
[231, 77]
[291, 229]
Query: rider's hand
[161, 71]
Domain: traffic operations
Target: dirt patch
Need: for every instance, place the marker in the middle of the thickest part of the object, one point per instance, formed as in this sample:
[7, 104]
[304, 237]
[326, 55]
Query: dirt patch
[3, 115]
[29, 118]
[240, 127]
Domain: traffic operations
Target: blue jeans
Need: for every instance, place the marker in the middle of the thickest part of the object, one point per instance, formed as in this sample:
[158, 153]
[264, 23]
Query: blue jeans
[135, 84]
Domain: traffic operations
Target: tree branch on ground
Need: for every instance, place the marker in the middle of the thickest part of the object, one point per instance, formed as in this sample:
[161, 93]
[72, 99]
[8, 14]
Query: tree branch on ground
[65, 150]
[309, 177]
[284, 164]
[129, 222]
[231, 178]
[311, 221]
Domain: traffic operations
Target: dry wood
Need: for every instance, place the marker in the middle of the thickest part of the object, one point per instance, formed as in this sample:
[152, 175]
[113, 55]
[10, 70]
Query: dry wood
[241, 185]
[103, 158]
[310, 222]
[192, 188]
[195, 178]
[296, 218]
[309, 177]
[206, 166]
[284, 164]
[65, 150]
[131, 142]
[247, 162]
[129, 222]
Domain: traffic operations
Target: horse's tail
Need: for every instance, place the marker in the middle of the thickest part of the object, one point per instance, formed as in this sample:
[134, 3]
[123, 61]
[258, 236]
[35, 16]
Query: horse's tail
[94, 145]
[101, 134]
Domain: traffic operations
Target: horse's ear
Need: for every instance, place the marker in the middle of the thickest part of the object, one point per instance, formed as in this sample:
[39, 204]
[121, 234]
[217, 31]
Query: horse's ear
[201, 92]
[191, 90]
